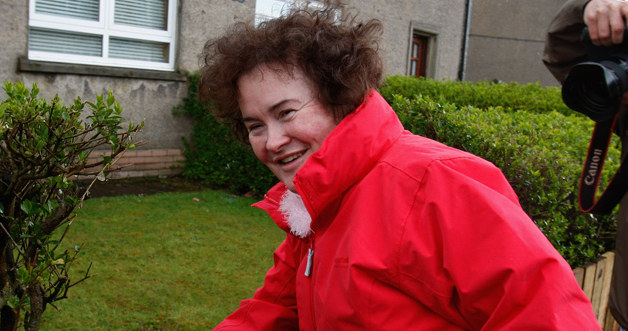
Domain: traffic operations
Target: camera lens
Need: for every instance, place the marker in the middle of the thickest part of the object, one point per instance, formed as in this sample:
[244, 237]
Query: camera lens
[594, 89]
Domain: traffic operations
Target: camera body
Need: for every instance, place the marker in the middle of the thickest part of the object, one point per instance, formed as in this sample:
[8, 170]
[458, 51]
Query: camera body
[595, 87]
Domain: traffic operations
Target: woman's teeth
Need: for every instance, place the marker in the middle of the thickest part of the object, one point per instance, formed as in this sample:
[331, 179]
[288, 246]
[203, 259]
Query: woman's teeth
[290, 158]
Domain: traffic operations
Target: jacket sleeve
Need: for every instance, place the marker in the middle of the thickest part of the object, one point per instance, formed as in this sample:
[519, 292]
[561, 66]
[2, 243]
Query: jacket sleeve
[563, 48]
[273, 306]
[487, 265]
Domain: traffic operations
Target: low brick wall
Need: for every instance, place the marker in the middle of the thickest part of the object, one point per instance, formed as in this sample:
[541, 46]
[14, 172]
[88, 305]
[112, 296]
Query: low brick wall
[142, 163]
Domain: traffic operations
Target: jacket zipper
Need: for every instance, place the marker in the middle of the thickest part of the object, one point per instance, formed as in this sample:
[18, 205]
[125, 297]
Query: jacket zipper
[308, 266]
[308, 273]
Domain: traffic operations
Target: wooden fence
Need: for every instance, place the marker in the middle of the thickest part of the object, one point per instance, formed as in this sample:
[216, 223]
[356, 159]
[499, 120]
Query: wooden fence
[595, 281]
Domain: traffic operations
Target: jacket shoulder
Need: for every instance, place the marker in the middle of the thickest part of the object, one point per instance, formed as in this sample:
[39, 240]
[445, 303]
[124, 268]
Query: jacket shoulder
[431, 164]
[412, 153]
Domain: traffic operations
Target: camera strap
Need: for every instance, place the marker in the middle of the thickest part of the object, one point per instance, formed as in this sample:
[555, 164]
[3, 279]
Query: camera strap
[592, 172]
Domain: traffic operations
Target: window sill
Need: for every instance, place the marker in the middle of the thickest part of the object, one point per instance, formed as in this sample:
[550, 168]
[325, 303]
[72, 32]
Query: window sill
[27, 65]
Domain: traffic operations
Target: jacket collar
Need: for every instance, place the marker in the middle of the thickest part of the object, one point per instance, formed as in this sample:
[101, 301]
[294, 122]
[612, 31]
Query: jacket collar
[348, 153]
[346, 156]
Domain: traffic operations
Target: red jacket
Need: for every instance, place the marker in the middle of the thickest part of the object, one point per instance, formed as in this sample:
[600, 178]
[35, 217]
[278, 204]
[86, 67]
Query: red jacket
[409, 234]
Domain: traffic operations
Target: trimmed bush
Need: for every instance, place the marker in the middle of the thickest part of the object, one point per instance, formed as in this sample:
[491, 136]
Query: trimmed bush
[509, 96]
[525, 130]
[214, 156]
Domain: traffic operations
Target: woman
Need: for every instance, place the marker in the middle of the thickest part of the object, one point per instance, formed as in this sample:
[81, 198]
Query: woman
[385, 230]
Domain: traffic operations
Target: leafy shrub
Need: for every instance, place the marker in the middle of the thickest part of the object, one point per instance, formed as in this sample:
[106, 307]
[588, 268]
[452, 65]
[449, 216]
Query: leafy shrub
[509, 96]
[42, 145]
[214, 156]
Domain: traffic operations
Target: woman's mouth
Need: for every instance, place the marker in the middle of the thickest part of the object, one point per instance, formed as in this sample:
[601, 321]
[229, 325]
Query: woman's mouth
[290, 158]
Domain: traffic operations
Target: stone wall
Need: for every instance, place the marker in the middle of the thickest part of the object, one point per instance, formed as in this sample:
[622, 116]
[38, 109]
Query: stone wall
[443, 18]
[507, 38]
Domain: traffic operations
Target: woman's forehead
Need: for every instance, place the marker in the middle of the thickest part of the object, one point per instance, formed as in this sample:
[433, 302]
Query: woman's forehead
[265, 87]
[275, 75]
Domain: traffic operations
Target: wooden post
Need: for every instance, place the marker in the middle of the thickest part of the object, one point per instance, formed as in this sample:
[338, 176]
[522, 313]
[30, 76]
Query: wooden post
[595, 281]
[589, 280]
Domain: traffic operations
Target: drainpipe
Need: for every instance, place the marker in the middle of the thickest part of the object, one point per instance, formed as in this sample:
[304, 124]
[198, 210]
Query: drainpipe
[465, 41]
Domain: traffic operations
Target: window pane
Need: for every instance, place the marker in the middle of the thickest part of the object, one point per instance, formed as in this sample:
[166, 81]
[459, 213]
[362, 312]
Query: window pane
[413, 71]
[64, 42]
[138, 50]
[142, 13]
[415, 50]
[271, 8]
[82, 9]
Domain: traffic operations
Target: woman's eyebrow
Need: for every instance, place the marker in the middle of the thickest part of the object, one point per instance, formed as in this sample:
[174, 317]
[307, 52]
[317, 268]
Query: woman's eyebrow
[281, 103]
[273, 108]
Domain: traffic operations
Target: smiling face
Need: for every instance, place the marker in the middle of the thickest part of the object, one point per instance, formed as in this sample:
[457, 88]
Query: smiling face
[285, 121]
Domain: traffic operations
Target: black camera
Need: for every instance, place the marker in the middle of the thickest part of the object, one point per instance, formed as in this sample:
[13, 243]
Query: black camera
[595, 87]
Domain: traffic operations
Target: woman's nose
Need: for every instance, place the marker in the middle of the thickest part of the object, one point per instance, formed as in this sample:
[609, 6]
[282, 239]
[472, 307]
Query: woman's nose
[277, 138]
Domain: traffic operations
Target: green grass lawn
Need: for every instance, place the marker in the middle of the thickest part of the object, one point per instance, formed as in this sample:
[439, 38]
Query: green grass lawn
[165, 261]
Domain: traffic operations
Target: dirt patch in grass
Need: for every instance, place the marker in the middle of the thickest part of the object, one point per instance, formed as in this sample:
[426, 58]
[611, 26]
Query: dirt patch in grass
[144, 186]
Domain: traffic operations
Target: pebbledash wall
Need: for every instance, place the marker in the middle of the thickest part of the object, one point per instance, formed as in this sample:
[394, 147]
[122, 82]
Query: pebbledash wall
[149, 95]
[506, 40]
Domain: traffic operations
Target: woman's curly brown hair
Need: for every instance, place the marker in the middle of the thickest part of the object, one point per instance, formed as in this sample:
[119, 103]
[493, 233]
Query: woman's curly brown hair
[338, 55]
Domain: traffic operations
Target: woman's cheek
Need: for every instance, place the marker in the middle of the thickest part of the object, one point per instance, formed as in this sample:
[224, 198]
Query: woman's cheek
[258, 148]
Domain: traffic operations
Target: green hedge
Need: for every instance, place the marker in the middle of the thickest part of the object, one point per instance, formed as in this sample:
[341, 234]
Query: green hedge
[214, 156]
[510, 96]
[523, 129]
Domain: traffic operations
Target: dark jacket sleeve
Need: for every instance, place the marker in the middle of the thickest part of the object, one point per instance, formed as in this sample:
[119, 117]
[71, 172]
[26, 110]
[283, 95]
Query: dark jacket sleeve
[563, 48]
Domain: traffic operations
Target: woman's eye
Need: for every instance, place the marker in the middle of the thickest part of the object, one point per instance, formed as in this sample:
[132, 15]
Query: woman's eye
[254, 127]
[286, 113]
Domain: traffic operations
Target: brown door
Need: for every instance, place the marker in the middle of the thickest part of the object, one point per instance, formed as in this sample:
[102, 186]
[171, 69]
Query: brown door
[418, 57]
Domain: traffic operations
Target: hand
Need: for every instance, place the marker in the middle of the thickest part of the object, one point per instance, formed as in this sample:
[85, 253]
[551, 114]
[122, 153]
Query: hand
[606, 20]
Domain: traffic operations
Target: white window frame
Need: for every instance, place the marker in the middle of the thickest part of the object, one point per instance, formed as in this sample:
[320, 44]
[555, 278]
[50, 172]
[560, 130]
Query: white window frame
[269, 9]
[106, 27]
